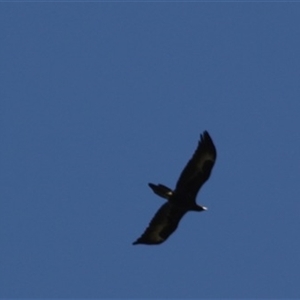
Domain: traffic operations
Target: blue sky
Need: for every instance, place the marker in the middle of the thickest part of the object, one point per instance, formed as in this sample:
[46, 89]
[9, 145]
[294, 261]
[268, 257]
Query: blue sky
[98, 99]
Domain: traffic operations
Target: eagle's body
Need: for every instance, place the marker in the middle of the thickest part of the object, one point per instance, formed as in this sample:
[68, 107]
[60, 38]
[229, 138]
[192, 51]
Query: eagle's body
[183, 198]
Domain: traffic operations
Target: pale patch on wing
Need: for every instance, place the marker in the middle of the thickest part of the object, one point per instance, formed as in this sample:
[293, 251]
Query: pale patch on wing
[204, 158]
[198, 169]
[154, 235]
[163, 224]
[158, 227]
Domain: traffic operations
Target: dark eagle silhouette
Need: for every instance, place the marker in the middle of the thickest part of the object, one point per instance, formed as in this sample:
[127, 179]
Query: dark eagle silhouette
[183, 198]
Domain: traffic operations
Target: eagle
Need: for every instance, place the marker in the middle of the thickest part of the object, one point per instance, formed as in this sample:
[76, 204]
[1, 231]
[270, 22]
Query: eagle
[183, 198]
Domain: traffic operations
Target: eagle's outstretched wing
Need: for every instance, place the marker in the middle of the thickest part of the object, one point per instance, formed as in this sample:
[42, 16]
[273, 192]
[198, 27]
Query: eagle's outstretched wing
[198, 169]
[163, 224]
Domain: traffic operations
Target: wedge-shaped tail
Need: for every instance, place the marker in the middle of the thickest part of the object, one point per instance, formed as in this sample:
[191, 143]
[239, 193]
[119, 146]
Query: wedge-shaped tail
[161, 190]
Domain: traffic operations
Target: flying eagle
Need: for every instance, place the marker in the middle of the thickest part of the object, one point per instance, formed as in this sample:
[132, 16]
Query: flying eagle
[183, 198]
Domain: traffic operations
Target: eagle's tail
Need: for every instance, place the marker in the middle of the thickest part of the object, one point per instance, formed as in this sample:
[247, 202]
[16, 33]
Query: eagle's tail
[161, 190]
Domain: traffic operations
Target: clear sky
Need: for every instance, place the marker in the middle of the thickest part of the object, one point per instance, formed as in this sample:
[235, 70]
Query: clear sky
[98, 99]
